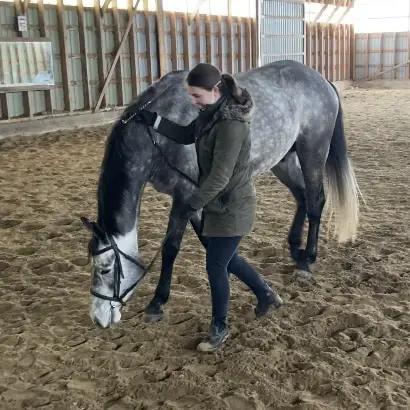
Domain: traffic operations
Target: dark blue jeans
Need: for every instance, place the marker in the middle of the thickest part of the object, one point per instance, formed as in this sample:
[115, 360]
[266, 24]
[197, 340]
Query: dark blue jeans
[221, 257]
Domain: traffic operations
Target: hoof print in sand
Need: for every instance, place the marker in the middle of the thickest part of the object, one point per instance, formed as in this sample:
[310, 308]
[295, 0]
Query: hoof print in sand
[9, 223]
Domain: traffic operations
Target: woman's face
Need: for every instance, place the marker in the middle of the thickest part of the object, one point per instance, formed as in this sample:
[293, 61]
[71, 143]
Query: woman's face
[201, 97]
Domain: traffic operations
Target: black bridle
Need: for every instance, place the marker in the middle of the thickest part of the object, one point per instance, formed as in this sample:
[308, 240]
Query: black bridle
[118, 270]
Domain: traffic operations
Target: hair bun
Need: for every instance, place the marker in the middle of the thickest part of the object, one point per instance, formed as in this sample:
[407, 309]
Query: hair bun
[230, 85]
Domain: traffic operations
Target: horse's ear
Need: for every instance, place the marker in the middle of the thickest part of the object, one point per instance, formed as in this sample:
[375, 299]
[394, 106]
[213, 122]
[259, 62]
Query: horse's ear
[93, 228]
[88, 224]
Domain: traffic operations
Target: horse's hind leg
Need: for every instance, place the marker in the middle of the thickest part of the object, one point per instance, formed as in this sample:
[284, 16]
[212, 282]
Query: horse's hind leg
[288, 171]
[312, 157]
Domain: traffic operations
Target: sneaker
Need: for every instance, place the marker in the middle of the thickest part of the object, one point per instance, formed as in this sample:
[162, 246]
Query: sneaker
[216, 338]
[263, 306]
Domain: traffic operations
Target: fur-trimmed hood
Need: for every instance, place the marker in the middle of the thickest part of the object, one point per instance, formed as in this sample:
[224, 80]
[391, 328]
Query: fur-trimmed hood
[240, 111]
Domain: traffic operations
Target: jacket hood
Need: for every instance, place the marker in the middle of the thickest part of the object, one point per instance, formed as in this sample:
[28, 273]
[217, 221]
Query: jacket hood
[240, 111]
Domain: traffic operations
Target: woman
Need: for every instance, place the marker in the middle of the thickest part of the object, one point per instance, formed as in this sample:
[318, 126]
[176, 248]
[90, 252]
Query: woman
[226, 192]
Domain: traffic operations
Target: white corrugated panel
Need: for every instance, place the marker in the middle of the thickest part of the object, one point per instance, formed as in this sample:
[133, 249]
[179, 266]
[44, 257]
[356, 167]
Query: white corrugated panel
[282, 31]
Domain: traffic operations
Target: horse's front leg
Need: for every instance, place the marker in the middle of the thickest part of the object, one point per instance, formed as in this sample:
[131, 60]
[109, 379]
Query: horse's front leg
[176, 227]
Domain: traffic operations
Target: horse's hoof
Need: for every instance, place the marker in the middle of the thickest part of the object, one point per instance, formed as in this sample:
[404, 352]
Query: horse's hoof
[154, 317]
[303, 276]
[154, 313]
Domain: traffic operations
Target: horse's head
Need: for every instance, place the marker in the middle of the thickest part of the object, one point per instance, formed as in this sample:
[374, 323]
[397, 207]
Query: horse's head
[116, 272]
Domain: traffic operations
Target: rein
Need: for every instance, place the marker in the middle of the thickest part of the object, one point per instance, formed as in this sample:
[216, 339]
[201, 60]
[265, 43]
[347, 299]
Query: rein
[118, 270]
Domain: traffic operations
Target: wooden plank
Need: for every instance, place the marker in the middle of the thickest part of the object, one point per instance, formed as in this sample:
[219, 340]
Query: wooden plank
[185, 28]
[342, 50]
[198, 38]
[4, 107]
[161, 39]
[148, 42]
[63, 56]
[25, 94]
[208, 38]
[42, 26]
[229, 42]
[25, 6]
[248, 45]
[408, 55]
[133, 51]
[308, 46]
[255, 46]
[118, 68]
[198, 53]
[83, 51]
[394, 47]
[98, 21]
[332, 53]
[367, 55]
[3, 96]
[240, 44]
[117, 56]
[174, 54]
[352, 52]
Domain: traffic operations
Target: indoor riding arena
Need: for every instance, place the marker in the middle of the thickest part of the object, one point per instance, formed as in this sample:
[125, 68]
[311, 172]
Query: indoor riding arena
[340, 340]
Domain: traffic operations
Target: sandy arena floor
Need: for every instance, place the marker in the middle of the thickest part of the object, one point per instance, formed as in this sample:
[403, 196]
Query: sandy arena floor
[342, 344]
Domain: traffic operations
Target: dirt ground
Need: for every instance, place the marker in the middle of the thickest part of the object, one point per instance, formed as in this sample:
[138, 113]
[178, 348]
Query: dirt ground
[343, 343]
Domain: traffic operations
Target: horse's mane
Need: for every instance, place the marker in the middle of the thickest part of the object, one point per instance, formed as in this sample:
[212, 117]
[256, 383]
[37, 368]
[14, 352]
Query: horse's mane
[119, 153]
[155, 89]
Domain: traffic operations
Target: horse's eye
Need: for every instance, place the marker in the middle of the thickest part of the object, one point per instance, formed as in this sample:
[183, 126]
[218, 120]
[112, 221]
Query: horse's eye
[105, 271]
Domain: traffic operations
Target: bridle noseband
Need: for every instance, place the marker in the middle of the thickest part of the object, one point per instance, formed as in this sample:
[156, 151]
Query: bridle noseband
[119, 272]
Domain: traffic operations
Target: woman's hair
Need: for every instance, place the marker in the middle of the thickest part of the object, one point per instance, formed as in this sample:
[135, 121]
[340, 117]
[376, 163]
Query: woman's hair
[207, 76]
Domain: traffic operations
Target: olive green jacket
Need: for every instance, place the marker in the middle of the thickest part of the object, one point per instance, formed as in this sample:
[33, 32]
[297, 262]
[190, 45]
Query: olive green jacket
[226, 190]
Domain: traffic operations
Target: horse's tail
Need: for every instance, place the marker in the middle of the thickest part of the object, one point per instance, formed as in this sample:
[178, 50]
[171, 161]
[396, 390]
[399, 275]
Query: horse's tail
[342, 187]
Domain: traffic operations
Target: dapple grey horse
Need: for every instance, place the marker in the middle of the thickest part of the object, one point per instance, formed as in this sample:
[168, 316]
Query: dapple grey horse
[297, 133]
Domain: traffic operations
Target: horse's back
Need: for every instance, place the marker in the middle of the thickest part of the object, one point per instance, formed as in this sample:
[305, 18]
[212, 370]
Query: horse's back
[289, 97]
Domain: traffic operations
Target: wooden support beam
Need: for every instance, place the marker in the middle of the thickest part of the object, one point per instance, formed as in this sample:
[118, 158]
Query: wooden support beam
[63, 56]
[161, 39]
[198, 38]
[343, 16]
[320, 14]
[98, 21]
[239, 35]
[229, 51]
[148, 41]
[174, 54]
[42, 26]
[133, 50]
[255, 43]
[248, 46]
[83, 51]
[208, 38]
[408, 52]
[104, 8]
[25, 6]
[117, 56]
[335, 10]
[379, 73]
[4, 106]
[18, 6]
[185, 28]
[118, 68]
[194, 15]
[352, 52]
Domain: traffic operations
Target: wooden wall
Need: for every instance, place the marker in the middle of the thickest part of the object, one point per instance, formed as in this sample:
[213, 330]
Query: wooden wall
[330, 50]
[86, 40]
